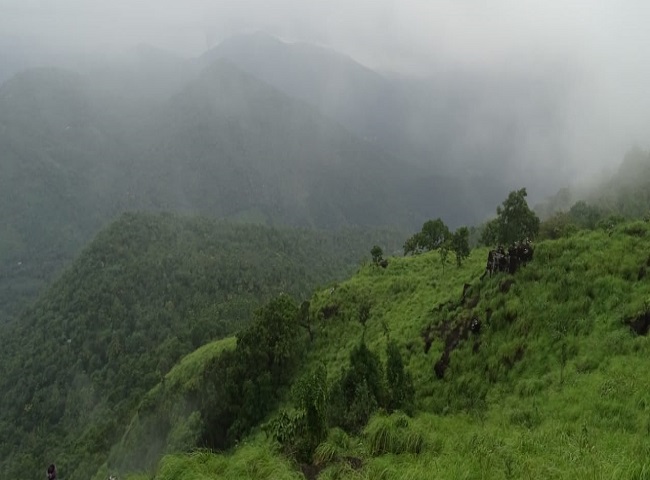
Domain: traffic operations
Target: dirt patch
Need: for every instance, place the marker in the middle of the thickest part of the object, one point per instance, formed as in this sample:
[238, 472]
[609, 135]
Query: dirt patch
[640, 324]
[311, 472]
[452, 336]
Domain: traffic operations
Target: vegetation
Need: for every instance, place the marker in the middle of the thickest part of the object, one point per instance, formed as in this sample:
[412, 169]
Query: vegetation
[149, 290]
[548, 388]
[515, 221]
[407, 370]
[79, 150]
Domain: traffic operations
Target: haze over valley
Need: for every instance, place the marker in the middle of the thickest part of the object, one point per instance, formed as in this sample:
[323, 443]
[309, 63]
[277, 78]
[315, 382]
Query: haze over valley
[367, 239]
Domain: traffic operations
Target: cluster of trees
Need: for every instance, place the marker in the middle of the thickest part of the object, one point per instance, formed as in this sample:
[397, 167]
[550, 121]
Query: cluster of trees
[516, 222]
[240, 387]
[435, 235]
[364, 386]
[149, 289]
[581, 216]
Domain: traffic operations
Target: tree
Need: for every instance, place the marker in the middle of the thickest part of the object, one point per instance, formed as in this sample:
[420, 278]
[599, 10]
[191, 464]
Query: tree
[433, 235]
[398, 381]
[460, 244]
[377, 254]
[515, 221]
[489, 233]
[585, 215]
[360, 391]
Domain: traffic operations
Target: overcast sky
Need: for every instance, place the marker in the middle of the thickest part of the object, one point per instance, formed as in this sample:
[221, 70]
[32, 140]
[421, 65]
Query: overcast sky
[485, 31]
[604, 44]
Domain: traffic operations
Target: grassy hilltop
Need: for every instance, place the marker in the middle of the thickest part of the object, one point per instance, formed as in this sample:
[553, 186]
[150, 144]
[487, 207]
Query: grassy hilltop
[553, 386]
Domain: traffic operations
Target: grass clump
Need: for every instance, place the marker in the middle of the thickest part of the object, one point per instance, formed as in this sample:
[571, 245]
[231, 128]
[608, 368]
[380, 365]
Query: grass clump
[392, 434]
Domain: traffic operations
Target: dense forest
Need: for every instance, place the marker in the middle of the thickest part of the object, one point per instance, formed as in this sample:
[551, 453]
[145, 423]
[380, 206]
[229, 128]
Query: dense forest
[148, 290]
[80, 148]
[424, 371]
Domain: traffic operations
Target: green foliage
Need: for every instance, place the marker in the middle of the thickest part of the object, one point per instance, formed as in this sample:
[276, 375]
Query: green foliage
[585, 215]
[559, 225]
[359, 392]
[460, 244]
[377, 254]
[149, 290]
[549, 388]
[444, 255]
[300, 431]
[433, 235]
[336, 445]
[515, 221]
[256, 462]
[166, 420]
[392, 434]
[400, 390]
[242, 387]
[489, 233]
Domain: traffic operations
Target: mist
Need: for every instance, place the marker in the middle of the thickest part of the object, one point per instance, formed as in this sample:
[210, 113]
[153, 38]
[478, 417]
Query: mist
[571, 77]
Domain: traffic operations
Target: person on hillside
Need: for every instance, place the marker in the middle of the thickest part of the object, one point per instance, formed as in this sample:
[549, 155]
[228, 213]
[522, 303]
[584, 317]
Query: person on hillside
[51, 472]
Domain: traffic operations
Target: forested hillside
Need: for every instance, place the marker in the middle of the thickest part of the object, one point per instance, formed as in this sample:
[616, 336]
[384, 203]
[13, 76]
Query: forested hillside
[78, 149]
[624, 194]
[201, 273]
[531, 375]
[148, 290]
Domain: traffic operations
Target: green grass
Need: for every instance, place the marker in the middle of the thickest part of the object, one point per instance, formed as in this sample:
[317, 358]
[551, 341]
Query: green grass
[254, 462]
[554, 387]
[167, 419]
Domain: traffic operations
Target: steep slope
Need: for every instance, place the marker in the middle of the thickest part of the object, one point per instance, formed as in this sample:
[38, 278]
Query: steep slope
[550, 386]
[624, 193]
[149, 289]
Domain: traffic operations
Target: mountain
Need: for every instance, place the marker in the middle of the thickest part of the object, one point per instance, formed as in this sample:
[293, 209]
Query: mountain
[234, 146]
[149, 289]
[483, 127]
[338, 86]
[623, 194]
[78, 149]
[525, 375]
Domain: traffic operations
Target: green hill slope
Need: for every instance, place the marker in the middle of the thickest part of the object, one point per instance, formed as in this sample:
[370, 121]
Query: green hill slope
[553, 385]
[148, 290]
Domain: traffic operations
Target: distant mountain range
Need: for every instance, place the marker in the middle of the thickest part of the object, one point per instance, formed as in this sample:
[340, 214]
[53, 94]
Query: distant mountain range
[256, 130]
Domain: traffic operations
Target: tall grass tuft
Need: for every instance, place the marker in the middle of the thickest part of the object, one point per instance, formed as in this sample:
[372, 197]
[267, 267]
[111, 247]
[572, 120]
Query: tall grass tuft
[392, 434]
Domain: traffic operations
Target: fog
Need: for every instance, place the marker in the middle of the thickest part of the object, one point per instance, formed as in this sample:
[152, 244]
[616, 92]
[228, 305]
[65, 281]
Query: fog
[587, 60]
